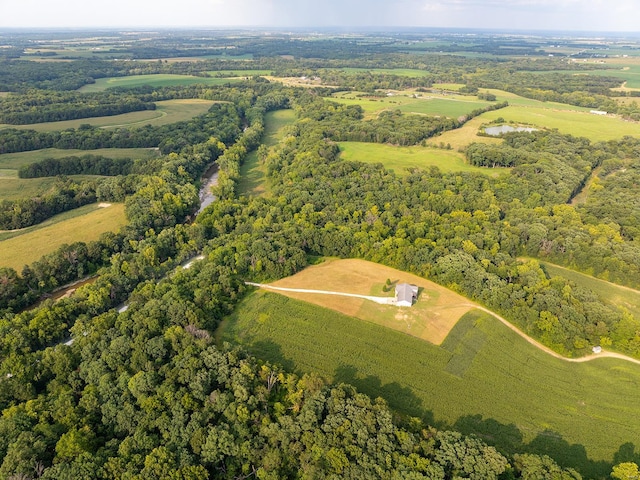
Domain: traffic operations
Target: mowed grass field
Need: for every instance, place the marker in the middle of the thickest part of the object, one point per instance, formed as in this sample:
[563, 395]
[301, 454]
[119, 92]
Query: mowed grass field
[607, 292]
[399, 159]
[444, 104]
[252, 172]
[431, 318]
[154, 80]
[573, 122]
[14, 188]
[28, 247]
[166, 112]
[483, 379]
[13, 161]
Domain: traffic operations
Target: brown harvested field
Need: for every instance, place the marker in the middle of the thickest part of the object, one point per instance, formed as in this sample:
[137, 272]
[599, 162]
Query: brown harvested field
[431, 317]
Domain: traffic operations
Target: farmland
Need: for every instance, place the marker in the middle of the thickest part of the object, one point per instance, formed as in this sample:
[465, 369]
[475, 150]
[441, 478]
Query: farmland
[431, 318]
[168, 111]
[154, 80]
[544, 405]
[448, 105]
[13, 188]
[84, 225]
[400, 159]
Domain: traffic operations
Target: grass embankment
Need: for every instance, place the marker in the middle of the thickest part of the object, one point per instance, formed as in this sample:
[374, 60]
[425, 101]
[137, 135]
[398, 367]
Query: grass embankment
[81, 225]
[484, 378]
[154, 80]
[253, 173]
[166, 112]
[399, 159]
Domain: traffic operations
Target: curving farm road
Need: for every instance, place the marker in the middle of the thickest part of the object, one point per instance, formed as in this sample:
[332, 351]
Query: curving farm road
[391, 301]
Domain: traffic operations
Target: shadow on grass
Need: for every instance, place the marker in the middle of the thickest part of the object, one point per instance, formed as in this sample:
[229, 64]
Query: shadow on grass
[271, 351]
[400, 399]
[508, 439]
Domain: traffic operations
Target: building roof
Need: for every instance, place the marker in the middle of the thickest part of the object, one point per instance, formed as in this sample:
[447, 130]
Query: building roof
[406, 293]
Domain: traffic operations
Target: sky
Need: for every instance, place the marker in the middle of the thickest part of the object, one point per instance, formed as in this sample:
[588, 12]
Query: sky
[565, 15]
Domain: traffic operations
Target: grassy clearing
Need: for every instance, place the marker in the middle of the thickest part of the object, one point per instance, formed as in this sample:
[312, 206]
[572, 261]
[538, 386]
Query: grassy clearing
[445, 104]
[581, 124]
[483, 379]
[399, 159]
[166, 112]
[238, 73]
[607, 292]
[14, 161]
[13, 188]
[252, 172]
[155, 80]
[431, 318]
[30, 246]
[463, 136]
[402, 72]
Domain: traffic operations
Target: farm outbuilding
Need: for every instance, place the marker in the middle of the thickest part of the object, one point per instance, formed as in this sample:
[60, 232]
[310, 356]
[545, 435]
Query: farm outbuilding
[406, 294]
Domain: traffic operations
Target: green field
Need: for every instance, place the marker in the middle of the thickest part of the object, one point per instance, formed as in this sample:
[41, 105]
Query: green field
[238, 73]
[154, 80]
[581, 124]
[252, 172]
[83, 226]
[484, 378]
[607, 292]
[14, 188]
[399, 159]
[166, 112]
[448, 105]
[403, 72]
[14, 161]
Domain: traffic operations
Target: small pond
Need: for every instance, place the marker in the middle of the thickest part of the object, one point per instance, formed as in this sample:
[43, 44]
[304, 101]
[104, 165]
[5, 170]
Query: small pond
[499, 130]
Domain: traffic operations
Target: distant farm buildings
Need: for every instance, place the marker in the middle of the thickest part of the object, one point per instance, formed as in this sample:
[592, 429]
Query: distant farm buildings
[406, 294]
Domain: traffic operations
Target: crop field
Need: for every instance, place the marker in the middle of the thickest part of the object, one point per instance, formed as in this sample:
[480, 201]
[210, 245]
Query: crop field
[431, 318]
[166, 112]
[154, 80]
[448, 105]
[483, 379]
[84, 225]
[402, 72]
[399, 159]
[252, 172]
[607, 292]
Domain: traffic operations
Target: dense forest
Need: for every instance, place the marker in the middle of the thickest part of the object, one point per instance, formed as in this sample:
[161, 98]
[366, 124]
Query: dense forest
[144, 391]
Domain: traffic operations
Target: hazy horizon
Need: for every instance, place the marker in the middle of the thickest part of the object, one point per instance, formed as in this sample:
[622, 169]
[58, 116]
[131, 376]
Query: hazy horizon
[594, 16]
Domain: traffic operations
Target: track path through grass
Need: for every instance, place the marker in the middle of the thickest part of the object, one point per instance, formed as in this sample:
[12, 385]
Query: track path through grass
[535, 343]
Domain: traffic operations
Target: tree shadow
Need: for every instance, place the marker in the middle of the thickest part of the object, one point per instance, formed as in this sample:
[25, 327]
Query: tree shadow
[508, 440]
[400, 399]
[272, 352]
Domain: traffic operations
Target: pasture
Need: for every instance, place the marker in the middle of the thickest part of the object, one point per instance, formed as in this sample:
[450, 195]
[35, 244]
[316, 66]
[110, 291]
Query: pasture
[82, 225]
[14, 188]
[573, 122]
[431, 318]
[483, 379]
[252, 172]
[400, 159]
[166, 112]
[154, 80]
[13, 161]
[443, 104]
